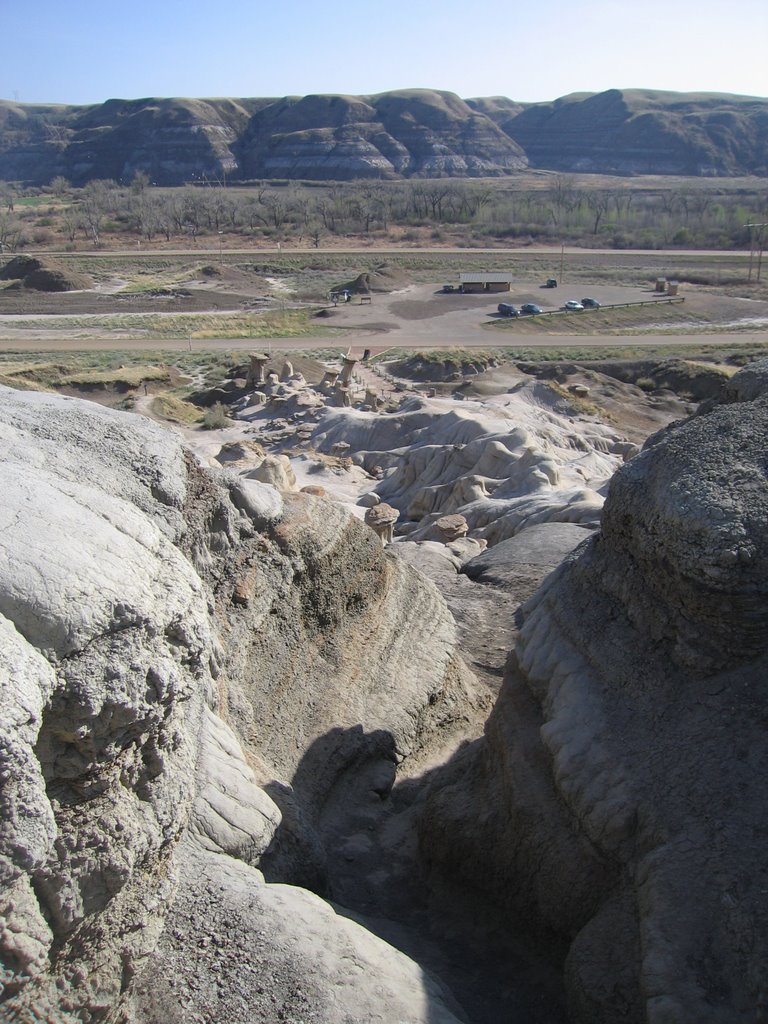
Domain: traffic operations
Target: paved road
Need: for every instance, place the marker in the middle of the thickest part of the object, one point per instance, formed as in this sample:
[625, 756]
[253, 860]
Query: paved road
[549, 250]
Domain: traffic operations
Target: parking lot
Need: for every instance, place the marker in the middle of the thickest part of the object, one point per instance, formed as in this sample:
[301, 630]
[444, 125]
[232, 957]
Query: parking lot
[424, 315]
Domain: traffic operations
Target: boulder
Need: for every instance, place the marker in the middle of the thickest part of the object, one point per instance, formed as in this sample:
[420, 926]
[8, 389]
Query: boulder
[539, 547]
[159, 739]
[275, 470]
[617, 790]
[452, 528]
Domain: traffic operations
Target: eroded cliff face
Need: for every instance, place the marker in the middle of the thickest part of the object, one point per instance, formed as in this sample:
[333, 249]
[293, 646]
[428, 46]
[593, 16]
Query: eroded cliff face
[504, 466]
[176, 643]
[200, 672]
[400, 134]
[639, 131]
[619, 789]
[418, 132]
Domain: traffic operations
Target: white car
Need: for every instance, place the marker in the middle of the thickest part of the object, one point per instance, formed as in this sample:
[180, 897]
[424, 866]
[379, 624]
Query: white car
[573, 304]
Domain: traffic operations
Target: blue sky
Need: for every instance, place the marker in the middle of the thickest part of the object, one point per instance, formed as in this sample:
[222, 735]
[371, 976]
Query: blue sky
[87, 51]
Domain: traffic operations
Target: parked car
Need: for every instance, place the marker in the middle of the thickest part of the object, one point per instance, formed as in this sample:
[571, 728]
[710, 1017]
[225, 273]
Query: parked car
[551, 283]
[507, 309]
[572, 304]
[590, 303]
[530, 309]
[448, 289]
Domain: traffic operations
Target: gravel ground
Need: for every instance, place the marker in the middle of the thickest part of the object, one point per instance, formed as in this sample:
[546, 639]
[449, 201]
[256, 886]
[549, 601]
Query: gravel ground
[415, 317]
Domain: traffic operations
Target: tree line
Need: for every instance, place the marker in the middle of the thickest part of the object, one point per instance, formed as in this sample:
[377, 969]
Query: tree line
[465, 212]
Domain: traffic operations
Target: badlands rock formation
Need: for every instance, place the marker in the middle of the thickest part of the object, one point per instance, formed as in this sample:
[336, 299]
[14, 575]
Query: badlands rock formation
[400, 134]
[213, 676]
[619, 791]
[176, 643]
[504, 464]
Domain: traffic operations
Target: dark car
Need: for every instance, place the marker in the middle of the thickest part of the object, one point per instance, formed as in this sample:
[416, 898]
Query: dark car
[507, 309]
[590, 304]
[551, 283]
[530, 309]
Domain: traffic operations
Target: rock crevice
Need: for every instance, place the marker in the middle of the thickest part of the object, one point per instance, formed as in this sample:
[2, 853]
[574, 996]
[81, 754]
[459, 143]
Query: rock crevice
[620, 774]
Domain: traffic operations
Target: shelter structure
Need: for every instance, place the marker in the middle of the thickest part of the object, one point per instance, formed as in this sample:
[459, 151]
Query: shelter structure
[481, 281]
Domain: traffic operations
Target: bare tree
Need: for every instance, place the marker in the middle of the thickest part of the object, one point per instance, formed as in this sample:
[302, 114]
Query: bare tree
[60, 185]
[93, 209]
[139, 181]
[7, 196]
[71, 221]
[147, 213]
[193, 210]
[599, 203]
[276, 209]
[11, 232]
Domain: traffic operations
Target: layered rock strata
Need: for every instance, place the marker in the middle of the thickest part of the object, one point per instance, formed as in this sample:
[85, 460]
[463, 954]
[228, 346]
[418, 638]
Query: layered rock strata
[179, 648]
[405, 133]
[418, 132]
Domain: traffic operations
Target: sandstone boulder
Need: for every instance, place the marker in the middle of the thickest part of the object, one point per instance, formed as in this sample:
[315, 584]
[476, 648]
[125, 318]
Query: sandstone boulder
[382, 518]
[275, 470]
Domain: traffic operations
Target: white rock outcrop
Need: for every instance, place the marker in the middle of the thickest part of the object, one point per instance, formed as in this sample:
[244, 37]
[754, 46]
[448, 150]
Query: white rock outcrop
[189, 662]
[504, 464]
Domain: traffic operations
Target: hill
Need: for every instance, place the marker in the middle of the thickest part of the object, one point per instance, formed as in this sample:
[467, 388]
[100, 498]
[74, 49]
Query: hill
[640, 131]
[400, 134]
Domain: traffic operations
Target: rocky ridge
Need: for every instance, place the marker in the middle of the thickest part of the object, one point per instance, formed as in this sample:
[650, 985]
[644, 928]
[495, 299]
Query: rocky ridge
[619, 785]
[211, 677]
[136, 589]
[400, 134]
[640, 131]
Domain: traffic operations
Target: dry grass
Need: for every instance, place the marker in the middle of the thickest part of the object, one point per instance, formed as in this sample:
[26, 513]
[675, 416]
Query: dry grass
[123, 376]
[581, 406]
[655, 318]
[291, 323]
[168, 407]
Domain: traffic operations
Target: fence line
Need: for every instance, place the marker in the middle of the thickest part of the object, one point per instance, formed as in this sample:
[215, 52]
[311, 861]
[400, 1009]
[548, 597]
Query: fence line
[589, 309]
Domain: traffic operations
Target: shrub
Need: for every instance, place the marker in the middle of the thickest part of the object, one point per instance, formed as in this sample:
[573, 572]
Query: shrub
[216, 417]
